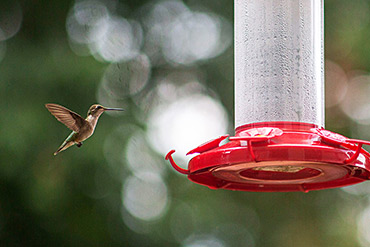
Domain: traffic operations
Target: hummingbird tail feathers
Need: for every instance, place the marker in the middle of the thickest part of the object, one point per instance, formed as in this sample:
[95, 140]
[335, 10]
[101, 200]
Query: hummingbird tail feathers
[64, 146]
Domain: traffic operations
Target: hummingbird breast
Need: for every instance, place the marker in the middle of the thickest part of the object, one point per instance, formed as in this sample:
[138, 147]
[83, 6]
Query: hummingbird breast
[85, 132]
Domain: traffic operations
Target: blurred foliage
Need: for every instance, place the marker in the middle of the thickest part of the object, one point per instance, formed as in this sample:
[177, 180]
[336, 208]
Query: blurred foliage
[75, 199]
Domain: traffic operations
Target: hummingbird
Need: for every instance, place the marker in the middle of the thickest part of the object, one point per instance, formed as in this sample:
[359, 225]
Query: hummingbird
[81, 128]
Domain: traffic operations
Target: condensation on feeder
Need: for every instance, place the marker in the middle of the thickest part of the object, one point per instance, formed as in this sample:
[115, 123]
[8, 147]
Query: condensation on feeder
[279, 74]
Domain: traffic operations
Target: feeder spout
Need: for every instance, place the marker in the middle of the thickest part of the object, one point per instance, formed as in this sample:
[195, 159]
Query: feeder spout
[173, 163]
[358, 149]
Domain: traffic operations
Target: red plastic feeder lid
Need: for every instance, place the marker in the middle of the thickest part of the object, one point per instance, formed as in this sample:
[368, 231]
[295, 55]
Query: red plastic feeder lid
[280, 157]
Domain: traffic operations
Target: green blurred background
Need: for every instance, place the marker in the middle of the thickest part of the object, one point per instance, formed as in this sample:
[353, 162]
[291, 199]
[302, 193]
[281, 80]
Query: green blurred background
[170, 65]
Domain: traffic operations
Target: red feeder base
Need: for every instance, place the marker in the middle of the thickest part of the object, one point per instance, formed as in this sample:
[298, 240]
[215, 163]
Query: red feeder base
[279, 156]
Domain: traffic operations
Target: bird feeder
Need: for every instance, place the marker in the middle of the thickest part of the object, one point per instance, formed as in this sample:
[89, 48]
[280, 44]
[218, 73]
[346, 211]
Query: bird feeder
[280, 143]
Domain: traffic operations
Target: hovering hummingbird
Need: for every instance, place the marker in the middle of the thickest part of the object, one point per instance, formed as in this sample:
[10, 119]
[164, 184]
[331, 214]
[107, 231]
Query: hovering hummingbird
[81, 128]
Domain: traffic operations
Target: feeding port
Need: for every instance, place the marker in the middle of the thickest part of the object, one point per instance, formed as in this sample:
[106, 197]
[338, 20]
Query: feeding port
[280, 143]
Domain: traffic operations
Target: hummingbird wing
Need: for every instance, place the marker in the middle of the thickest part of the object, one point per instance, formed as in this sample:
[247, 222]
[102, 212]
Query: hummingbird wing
[69, 118]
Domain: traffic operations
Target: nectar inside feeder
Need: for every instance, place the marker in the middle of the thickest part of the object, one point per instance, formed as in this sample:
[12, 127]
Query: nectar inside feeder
[280, 143]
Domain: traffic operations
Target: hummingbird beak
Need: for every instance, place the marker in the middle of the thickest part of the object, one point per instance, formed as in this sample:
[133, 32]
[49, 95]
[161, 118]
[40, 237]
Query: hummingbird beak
[113, 109]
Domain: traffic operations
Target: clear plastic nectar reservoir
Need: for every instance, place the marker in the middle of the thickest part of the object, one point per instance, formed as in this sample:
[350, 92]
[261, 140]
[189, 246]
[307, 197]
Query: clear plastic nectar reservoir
[279, 61]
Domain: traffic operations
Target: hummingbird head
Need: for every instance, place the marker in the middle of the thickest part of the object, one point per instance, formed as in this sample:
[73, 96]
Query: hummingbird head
[96, 110]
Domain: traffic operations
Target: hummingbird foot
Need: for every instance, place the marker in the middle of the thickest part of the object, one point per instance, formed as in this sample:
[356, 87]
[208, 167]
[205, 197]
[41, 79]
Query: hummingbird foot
[79, 144]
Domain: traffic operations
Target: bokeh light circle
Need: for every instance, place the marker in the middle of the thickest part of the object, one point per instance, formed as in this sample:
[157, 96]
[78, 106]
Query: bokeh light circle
[11, 18]
[192, 37]
[116, 39]
[186, 123]
[2, 46]
[146, 161]
[145, 196]
[336, 84]
[126, 78]
[177, 35]
[363, 225]
[203, 241]
[356, 104]
[82, 18]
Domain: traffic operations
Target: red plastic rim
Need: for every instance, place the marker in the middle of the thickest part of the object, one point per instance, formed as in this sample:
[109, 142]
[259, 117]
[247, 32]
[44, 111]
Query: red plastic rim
[279, 157]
